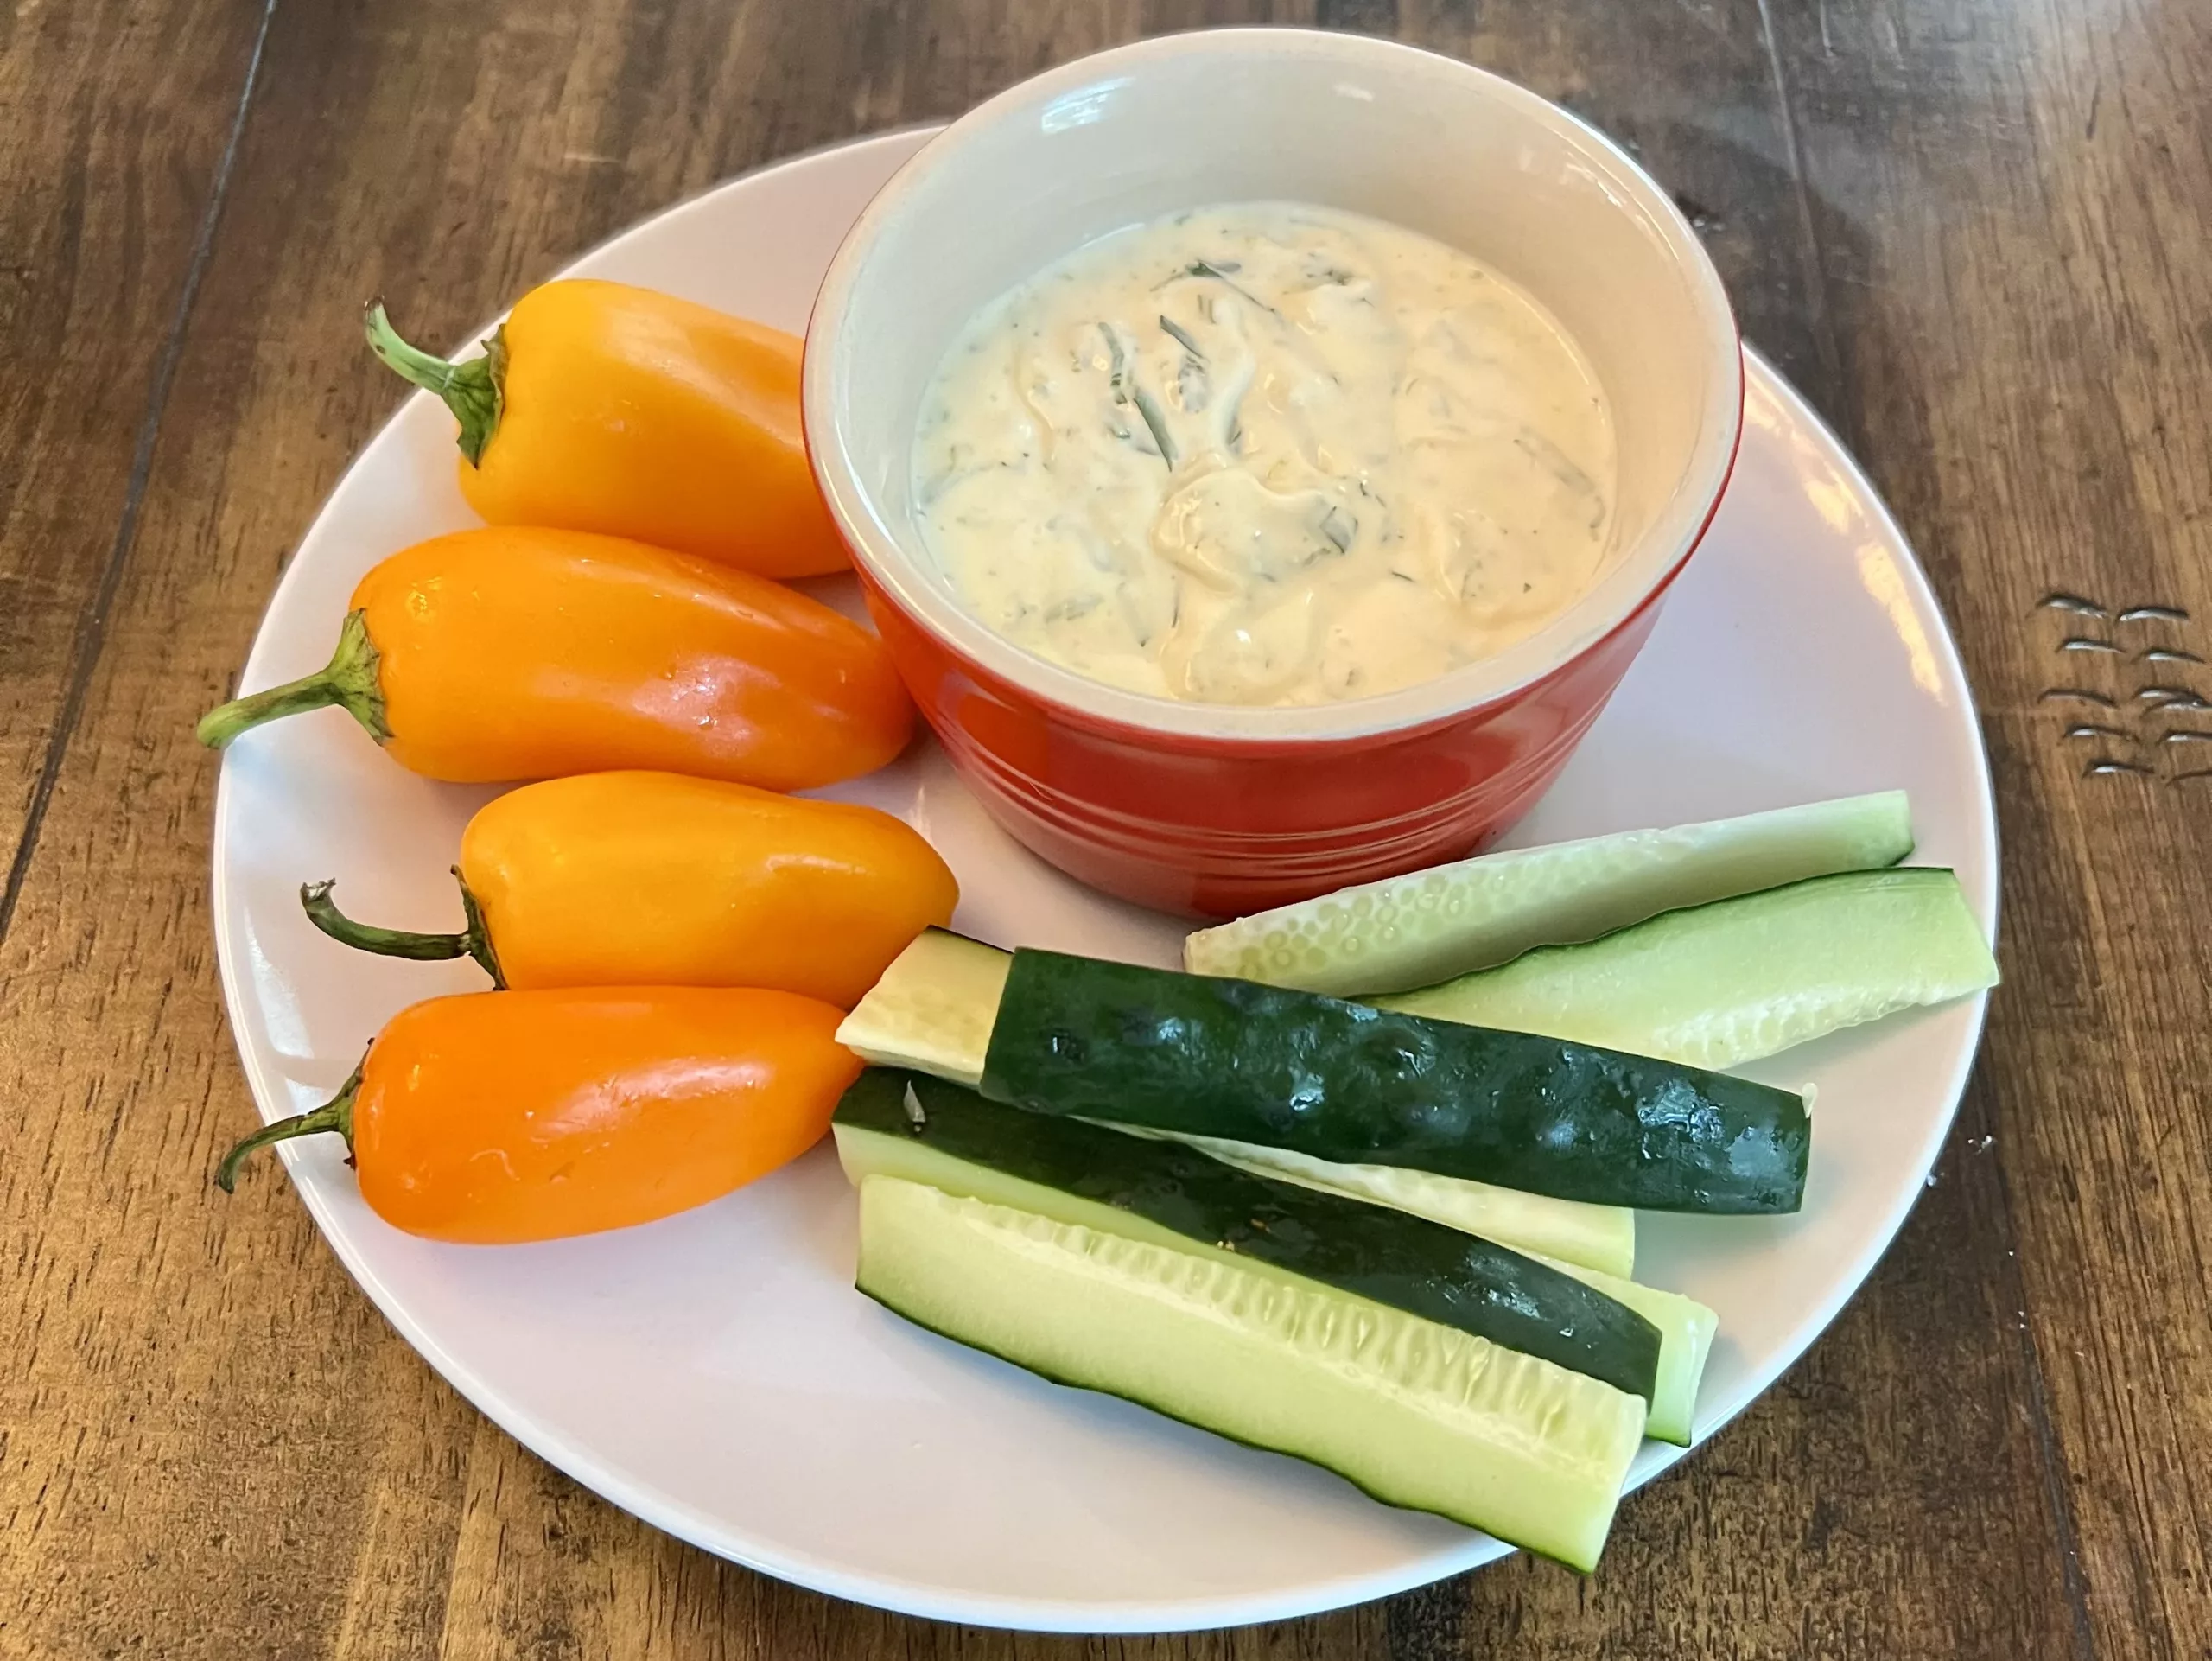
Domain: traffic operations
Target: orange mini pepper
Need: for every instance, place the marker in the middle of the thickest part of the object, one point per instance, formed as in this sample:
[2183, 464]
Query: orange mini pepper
[496, 1117]
[649, 879]
[600, 407]
[507, 654]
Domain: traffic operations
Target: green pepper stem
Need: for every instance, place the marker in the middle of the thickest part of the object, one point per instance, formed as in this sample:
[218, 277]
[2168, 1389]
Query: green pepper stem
[349, 680]
[336, 1114]
[479, 933]
[472, 941]
[474, 390]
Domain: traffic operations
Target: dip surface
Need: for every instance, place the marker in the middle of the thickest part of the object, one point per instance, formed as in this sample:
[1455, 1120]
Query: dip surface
[1265, 454]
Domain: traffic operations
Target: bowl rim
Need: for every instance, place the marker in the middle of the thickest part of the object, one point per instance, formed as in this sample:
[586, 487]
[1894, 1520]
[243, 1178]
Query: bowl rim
[889, 569]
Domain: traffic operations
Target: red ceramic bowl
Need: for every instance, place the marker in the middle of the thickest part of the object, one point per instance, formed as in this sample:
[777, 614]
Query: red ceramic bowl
[1217, 809]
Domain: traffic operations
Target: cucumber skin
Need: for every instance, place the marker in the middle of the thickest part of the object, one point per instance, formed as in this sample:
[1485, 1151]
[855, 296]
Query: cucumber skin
[1600, 1237]
[1363, 1086]
[1686, 1328]
[1404, 1261]
[1532, 1499]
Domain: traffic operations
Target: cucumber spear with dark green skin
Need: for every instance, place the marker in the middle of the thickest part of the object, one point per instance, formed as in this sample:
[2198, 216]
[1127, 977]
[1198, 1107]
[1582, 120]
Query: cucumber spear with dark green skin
[1345, 1082]
[909, 1125]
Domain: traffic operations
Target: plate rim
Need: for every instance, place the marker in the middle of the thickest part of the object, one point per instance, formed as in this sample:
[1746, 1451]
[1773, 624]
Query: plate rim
[1200, 1612]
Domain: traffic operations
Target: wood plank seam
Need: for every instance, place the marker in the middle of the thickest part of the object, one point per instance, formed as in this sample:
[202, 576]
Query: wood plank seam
[2054, 1476]
[1793, 158]
[2058, 1498]
[92, 625]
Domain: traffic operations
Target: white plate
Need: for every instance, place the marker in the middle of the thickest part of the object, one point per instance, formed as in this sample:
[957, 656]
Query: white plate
[717, 1375]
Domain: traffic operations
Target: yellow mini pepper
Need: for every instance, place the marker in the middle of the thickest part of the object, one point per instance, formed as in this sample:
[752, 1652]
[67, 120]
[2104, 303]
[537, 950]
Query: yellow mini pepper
[600, 407]
[651, 879]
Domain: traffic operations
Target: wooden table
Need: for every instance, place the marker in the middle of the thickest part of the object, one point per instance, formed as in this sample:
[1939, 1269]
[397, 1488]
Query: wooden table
[1975, 234]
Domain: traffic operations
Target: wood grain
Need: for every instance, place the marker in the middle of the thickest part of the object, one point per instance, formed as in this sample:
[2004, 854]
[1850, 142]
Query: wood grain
[1972, 231]
[116, 126]
[2021, 305]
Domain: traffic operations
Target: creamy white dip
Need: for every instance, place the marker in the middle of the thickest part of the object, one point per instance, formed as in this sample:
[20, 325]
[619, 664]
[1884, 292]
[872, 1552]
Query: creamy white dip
[1265, 454]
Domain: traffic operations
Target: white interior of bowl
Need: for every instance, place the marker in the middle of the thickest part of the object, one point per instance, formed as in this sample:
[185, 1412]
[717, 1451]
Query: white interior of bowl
[1343, 121]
